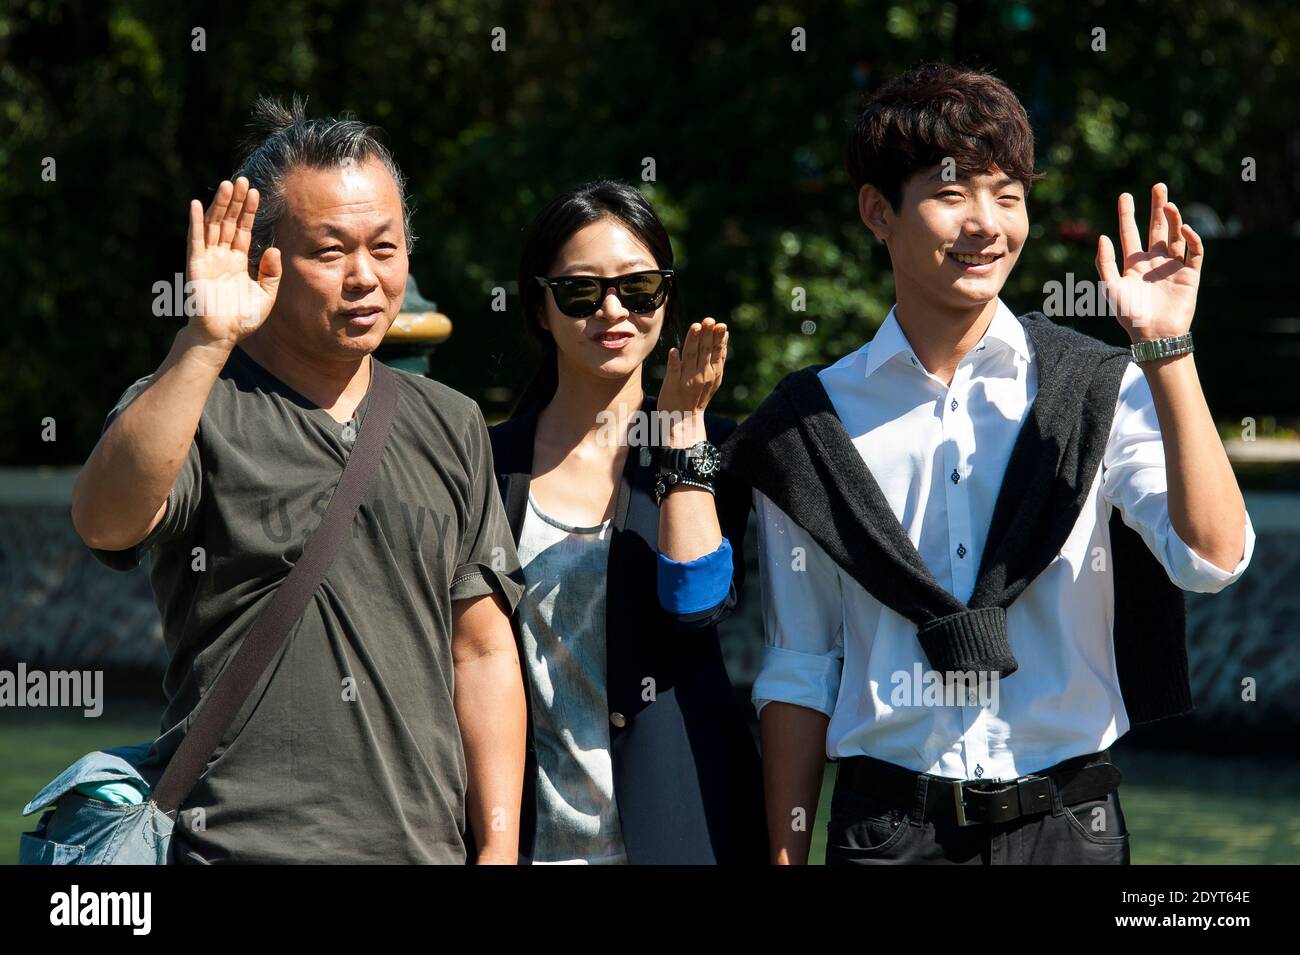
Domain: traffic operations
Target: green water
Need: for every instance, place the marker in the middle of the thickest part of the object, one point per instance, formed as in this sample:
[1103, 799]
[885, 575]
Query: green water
[1241, 810]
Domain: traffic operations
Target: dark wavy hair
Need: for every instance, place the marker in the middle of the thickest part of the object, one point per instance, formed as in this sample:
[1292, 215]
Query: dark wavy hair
[932, 112]
[564, 216]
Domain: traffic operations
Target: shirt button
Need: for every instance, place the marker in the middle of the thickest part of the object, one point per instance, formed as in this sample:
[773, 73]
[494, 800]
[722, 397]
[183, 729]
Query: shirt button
[913, 359]
[953, 405]
[618, 719]
[961, 550]
[955, 476]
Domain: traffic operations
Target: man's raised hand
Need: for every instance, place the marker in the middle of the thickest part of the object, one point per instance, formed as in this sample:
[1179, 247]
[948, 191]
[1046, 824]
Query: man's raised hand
[1154, 291]
[229, 303]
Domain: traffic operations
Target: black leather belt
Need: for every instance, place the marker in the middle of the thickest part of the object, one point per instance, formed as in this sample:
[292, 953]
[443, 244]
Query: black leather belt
[978, 801]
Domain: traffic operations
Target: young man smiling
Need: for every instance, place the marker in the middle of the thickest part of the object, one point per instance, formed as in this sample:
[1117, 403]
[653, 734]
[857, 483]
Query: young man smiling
[998, 497]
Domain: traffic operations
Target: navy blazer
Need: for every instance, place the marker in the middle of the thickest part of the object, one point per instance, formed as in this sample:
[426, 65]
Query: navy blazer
[687, 776]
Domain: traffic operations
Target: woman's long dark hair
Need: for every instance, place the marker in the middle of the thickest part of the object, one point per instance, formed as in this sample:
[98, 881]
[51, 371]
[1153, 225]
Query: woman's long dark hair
[553, 227]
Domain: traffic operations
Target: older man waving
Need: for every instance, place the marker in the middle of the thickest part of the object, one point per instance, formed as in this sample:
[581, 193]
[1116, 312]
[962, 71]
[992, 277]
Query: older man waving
[390, 726]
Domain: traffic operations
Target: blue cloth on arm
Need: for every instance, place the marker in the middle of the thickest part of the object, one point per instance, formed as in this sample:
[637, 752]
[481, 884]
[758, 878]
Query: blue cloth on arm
[693, 585]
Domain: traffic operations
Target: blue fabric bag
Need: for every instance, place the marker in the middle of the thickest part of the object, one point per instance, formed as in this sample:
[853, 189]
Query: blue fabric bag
[77, 829]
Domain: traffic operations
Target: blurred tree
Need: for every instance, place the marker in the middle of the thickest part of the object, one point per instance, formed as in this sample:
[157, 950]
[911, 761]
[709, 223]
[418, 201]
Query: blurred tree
[745, 133]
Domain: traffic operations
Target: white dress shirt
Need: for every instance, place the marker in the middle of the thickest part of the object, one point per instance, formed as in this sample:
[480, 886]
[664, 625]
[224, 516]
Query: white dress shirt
[938, 453]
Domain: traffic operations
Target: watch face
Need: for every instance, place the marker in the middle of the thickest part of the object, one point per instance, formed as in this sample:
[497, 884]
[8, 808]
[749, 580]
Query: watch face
[706, 459]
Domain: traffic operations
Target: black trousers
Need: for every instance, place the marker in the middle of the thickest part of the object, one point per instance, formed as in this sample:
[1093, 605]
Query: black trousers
[864, 830]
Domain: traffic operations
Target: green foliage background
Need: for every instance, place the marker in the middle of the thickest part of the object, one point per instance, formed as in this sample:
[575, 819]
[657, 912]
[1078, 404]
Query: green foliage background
[746, 136]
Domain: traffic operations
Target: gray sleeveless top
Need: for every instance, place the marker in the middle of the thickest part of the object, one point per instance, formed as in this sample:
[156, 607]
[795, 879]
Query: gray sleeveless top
[562, 616]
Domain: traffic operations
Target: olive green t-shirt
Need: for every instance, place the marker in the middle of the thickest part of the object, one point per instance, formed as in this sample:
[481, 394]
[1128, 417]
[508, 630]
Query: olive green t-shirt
[349, 748]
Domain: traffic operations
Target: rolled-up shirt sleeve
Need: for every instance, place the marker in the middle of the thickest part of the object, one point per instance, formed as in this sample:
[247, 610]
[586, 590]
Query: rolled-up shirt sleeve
[1135, 480]
[803, 617]
[689, 586]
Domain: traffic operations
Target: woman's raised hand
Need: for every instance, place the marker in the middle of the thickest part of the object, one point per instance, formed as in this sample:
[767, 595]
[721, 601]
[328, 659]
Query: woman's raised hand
[695, 373]
[228, 303]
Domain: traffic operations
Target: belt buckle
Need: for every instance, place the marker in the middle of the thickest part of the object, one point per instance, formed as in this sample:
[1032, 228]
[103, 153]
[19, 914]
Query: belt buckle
[960, 803]
[957, 791]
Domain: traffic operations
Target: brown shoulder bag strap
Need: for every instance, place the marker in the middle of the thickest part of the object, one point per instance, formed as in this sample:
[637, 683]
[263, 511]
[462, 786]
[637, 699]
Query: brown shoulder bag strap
[269, 631]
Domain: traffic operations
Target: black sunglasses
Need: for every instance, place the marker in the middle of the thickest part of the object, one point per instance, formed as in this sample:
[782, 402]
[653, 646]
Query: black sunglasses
[579, 296]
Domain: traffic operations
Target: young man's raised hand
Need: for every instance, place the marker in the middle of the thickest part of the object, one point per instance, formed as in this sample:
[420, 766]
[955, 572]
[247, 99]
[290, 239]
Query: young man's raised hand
[1155, 294]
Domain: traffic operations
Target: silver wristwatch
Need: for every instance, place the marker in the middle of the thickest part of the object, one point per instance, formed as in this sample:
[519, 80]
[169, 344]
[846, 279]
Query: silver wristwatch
[1161, 347]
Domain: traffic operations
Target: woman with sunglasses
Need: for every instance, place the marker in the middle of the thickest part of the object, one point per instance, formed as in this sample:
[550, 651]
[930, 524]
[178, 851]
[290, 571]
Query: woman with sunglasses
[631, 553]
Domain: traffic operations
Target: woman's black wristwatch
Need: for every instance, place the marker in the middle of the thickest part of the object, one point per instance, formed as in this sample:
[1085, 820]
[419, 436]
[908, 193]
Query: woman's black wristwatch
[695, 466]
[699, 462]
